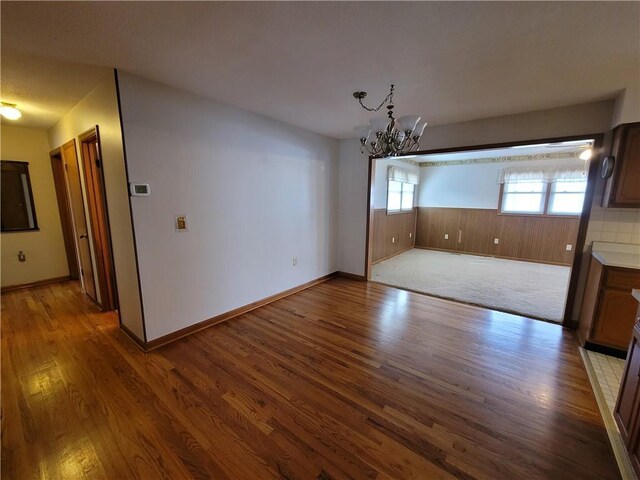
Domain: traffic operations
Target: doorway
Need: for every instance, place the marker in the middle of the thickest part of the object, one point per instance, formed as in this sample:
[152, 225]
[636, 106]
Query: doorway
[98, 216]
[488, 231]
[66, 174]
[66, 215]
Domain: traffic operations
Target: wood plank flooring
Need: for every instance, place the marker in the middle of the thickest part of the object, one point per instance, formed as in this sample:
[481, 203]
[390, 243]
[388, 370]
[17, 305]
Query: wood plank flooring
[343, 380]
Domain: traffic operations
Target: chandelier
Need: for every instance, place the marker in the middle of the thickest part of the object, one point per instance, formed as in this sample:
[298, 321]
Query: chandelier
[388, 136]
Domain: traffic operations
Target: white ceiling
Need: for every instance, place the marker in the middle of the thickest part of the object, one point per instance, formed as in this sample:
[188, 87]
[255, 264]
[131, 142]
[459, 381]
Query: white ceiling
[299, 62]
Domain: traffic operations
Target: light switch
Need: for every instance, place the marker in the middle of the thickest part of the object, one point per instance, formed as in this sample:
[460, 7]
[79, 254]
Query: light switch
[181, 223]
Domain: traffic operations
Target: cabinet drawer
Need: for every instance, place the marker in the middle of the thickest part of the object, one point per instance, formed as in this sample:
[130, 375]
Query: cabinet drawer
[624, 278]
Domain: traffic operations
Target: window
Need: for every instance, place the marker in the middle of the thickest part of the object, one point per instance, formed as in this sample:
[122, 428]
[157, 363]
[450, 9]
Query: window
[566, 198]
[560, 197]
[400, 196]
[526, 197]
[18, 211]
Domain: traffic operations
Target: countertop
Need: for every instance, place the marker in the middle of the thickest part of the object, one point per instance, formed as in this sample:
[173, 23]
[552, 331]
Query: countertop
[615, 259]
[617, 254]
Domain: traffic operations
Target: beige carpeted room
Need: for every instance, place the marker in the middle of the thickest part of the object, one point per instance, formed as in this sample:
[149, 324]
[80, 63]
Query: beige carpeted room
[496, 228]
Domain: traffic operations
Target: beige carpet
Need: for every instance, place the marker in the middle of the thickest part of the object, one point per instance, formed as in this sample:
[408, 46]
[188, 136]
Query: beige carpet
[529, 289]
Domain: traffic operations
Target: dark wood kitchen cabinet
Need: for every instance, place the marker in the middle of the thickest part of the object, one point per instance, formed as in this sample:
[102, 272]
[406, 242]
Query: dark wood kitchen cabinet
[608, 308]
[622, 188]
[627, 407]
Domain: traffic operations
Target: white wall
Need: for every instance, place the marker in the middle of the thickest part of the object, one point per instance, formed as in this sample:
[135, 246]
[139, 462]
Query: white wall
[581, 119]
[44, 248]
[576, 120]
[257, 193]
[100, 107]
[472, 186]
[380, 179]
[627, 106]
[352, 200]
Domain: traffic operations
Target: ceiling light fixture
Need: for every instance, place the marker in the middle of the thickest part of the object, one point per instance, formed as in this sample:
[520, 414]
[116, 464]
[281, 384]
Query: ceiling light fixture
[9, 111]
[388, 136]
[586, 154]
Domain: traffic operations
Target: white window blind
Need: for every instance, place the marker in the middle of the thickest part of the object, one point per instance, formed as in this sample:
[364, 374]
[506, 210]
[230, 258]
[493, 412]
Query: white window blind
[404, 175]
[546, 175]
[549, 191]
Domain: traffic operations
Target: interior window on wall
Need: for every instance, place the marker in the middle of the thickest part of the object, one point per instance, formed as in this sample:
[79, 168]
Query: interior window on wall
[400, 196]
[567, 197]
[552, 192]
[523, 197]
[401, 188]
[18, 210]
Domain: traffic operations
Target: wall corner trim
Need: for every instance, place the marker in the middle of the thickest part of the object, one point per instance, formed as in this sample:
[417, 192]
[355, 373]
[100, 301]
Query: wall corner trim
[39, 283]
[351, 276]
[223, 317]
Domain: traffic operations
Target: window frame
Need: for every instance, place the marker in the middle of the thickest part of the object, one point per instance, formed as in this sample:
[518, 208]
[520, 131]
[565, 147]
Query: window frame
[548, 191]
[23, 169]
[400, 210]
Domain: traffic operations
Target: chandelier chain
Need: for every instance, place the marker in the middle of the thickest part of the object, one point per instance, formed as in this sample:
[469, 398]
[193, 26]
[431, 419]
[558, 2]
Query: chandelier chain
[388, 98]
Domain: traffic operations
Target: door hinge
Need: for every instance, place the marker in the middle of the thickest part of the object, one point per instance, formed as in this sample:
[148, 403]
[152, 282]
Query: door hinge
[98, 163]
[66, 167]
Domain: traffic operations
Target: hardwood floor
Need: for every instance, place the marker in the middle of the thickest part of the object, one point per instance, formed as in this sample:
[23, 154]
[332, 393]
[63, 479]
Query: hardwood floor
[343, 380]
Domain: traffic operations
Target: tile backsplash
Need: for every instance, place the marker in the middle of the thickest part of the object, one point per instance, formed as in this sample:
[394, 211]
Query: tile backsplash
[620, 225]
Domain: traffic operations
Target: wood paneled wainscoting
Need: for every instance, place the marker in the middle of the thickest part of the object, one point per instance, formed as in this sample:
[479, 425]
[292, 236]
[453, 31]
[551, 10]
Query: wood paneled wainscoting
[473, 230]
[393, 233]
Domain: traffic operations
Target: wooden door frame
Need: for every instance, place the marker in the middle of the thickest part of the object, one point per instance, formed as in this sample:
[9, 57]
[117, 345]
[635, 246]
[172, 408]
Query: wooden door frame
[99, 220]
[66, 215]
[598, 152]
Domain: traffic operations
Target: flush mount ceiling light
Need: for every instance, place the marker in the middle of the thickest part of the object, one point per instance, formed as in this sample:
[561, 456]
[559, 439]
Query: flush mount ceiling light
[9, 111]
[586, 153]
[388, 136]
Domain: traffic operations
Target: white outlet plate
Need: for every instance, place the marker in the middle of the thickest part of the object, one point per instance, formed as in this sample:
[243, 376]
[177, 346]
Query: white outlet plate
[446, 236]
[496, 241]
[393, 239]
[569, 247]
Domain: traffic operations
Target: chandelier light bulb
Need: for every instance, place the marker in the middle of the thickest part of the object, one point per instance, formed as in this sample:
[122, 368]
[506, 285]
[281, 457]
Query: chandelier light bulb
[363, 131]
[419, 130]
[9, 111]
[408, 122]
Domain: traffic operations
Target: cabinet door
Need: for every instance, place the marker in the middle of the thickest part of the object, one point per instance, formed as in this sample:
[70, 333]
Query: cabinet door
[627, 404]
[615, 318]
[625, 190]
[634, 449]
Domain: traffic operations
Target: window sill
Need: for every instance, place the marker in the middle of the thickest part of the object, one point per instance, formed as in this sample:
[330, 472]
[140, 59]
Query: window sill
[400, 212]
[552, 215]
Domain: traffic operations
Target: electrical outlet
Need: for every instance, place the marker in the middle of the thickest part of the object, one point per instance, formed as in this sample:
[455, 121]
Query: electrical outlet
[410, 235]
[393, 239]
[569, 247]
[446, 236]
[295, 261]
[496, 241]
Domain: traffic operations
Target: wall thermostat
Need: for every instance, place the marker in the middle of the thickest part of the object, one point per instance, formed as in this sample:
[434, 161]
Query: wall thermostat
[140, 189]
